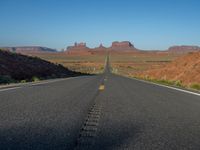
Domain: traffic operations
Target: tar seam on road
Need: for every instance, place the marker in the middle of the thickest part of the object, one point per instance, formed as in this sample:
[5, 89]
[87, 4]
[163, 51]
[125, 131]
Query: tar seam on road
[88, 132]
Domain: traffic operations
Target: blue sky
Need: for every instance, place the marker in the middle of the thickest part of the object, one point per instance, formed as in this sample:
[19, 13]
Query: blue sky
[149, 24]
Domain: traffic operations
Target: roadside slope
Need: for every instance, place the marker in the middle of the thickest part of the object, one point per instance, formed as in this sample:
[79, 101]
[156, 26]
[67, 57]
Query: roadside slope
[185, 69]
[16, 67]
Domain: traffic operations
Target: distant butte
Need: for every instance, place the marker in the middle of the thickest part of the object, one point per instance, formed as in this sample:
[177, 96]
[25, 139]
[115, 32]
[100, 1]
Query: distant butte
[82, 48]
[78, 46]
[118, 46]
[100, 48]
[123, 46]
[183, 49]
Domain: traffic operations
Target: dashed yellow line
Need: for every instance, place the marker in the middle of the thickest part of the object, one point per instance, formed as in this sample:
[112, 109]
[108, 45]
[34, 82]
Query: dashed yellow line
[101, 87]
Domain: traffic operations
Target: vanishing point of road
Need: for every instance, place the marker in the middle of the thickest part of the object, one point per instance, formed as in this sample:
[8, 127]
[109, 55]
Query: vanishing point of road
[102, 112]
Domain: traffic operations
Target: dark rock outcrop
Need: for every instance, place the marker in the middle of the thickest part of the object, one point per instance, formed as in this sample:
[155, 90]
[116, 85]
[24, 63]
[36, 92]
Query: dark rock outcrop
[20, 67]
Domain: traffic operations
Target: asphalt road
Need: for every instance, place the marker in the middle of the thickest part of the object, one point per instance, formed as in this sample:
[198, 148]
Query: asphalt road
[105, 112]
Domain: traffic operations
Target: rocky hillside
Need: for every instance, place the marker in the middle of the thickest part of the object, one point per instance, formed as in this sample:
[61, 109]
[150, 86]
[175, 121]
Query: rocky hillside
[18, 67]
[185, 69]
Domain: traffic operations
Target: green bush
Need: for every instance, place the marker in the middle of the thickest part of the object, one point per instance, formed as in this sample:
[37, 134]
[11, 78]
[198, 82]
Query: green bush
[195, 86]
[6, 79]
[178, 83]
[35, 79]
[23, 81]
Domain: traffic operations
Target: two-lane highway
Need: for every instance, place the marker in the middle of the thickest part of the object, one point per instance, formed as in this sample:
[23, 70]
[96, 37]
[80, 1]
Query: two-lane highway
[99, 112]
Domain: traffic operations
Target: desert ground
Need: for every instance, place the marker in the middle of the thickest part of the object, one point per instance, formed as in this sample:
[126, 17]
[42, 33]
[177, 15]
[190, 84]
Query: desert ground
[132, 63]
[177, 66]
[92, 63]
[176, 69]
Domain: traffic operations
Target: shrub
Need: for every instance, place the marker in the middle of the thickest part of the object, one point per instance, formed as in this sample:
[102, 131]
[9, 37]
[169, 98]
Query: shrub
[195, 86]
[35, 79]
[178, 83]
[23, 81]
[6, 79]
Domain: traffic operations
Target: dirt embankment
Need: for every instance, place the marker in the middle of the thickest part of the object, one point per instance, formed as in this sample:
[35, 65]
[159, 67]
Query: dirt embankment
[185, 69]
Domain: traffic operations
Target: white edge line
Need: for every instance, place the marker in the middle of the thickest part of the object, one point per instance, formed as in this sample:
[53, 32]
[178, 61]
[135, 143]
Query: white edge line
[7, 89]
[33, 84]
[51, 81]
[169, 87]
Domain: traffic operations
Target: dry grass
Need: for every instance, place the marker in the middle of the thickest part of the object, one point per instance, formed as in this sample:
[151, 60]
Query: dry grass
[130, 64]
[91, 63]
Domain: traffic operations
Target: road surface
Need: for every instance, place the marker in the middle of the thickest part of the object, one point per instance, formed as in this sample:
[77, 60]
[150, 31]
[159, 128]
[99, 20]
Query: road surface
[105, 112]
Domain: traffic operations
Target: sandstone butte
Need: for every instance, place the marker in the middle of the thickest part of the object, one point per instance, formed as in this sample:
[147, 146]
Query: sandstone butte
[78, 48]
[121, 46]
[82, 48]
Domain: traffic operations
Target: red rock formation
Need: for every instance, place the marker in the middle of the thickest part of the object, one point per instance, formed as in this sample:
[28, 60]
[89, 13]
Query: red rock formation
[183, 49]
[81, 48]
[100, 48]
[78, 46]
[122, 44]
[125, 45]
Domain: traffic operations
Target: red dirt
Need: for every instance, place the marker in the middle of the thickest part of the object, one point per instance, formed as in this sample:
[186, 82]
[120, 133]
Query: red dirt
[185, 69]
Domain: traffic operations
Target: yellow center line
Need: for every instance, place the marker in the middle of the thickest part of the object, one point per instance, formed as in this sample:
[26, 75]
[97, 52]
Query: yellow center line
[101, 87]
